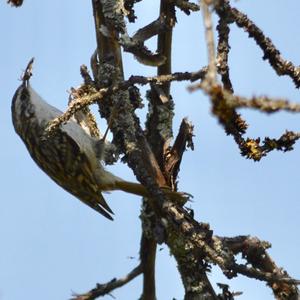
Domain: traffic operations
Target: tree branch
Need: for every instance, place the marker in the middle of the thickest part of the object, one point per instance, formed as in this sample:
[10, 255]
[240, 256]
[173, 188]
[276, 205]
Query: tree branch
[271, 53]
[107, 288]
[222, 53]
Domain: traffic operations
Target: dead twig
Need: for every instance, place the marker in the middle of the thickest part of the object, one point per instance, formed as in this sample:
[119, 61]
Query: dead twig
[106, 288]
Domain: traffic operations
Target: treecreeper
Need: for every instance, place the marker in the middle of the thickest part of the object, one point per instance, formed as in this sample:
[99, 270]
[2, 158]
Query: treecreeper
[69, 155]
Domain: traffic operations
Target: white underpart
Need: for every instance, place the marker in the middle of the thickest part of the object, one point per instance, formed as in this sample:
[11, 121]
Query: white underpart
[47, 112]
[80, 120]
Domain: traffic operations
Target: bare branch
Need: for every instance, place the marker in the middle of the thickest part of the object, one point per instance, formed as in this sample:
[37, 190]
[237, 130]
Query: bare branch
[211, 75]
[271, 53]
[263, 104]
[223, 50]
[106, 288]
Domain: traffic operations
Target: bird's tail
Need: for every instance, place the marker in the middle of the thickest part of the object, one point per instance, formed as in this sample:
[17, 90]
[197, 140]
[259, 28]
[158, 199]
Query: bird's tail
[132, 188]
[140, 190]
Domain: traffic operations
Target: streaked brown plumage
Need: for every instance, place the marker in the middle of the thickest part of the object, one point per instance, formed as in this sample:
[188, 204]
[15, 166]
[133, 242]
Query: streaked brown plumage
[69, 155]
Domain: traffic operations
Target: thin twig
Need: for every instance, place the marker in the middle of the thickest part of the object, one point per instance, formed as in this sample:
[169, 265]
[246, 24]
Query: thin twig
[95, 97]
[186, 6]
[271, 53]
[263, 276]
[107, 288]
[264, 104]
[209, 35]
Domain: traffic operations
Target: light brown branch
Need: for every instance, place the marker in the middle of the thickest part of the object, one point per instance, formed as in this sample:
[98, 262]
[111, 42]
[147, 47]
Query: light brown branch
[211, 76]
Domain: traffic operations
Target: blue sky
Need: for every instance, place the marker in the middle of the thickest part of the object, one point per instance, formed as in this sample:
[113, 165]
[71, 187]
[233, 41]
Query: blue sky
[52, 244]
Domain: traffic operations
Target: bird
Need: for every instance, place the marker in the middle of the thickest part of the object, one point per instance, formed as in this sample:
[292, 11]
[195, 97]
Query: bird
[69, 155]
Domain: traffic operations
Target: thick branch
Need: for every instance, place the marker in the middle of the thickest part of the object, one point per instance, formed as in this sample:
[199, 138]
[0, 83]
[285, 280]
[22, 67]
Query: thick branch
[159, 121]
[129, 138]
[148, 247]
[164, 40]
[107, 46]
